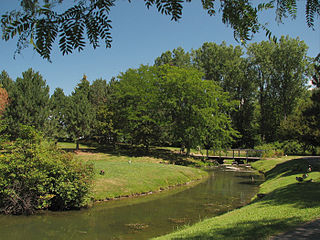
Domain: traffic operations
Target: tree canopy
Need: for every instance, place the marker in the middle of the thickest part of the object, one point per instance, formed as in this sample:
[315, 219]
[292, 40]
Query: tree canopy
[39, 23]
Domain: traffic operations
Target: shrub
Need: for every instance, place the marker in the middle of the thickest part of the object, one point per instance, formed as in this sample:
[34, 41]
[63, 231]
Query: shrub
[292, 148]
[34, 175]
[271, 150]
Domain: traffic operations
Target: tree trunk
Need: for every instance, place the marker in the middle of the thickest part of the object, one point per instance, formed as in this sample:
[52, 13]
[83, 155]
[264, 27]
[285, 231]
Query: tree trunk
[188, 151]
[77, 145]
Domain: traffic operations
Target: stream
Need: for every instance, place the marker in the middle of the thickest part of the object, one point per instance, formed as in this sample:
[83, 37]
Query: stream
[144, 217]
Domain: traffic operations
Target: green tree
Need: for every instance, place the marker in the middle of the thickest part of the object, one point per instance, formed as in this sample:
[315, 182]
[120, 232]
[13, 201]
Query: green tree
[56, 127]
[311, 114]
[197, 110]
[100, 99]
[178, 57]
[4, 100]
[282, 70]
[6, 82]
[80, 113]
[40, 23]
[29, 100]
[226, 66]
[135, 102]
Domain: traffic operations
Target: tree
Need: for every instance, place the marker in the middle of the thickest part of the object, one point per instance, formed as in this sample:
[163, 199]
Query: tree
[80, 114]
[226, 66]
[282, 70]
[136, 106]
[178, 57]
[56, 127]
[312, 117]
[6, 82]
[40, 24]
[100, 99]
[29, 100]
[197, 110]
[316, 77]
[4, 100]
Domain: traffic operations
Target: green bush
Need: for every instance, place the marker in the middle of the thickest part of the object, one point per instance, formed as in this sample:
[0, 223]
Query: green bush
[292, 148]
[34, 175]
[271, 150]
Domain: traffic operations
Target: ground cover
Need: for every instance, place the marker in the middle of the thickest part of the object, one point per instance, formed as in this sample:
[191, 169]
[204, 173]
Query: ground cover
[283, 204]
[120, 174]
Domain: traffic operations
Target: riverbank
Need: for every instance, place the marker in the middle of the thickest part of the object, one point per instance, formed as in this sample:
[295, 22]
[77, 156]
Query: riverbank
[283, 204]
[119, 176]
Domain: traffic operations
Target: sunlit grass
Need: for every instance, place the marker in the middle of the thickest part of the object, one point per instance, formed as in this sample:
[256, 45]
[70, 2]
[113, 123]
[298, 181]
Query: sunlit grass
[71, 146]
[127, 176]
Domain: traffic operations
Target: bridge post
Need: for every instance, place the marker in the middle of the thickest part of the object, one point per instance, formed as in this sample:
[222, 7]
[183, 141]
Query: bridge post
[247, 155]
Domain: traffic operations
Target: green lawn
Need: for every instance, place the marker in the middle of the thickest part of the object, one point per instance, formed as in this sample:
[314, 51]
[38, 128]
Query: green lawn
[287, 203]
[126, 176]
[71, 146]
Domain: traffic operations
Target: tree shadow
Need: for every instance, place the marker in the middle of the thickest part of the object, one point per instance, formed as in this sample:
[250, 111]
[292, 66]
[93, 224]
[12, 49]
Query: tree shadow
[308, 196]
[293, 167]
[247, 230]
[168, 156]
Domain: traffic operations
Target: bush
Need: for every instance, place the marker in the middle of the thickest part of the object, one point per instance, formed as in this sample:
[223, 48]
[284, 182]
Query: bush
[292, 148]
[271, 150]
[36, 175]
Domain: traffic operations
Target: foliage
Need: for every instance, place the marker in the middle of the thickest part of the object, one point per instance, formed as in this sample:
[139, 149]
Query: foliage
[173, 105]
[177, 58]
[198, 110]
[35, 175]
[312, 117]
[29, 97]
[4, 100]
[316, 77]
[100, 99]
[40, 23]
[136, 106]
[56, 124]
[80, 115]
[291, 147]
[282, 69]
[271, 150]
[226, 66]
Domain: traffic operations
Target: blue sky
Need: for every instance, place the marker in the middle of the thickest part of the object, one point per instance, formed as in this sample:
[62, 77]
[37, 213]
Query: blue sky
[139, 36]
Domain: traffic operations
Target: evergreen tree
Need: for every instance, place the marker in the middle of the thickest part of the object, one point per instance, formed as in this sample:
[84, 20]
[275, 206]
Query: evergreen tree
[80, 113]
[56, 127]
[29, 100]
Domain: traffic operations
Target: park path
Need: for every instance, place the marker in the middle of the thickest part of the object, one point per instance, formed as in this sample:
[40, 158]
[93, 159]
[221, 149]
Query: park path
[308, 231]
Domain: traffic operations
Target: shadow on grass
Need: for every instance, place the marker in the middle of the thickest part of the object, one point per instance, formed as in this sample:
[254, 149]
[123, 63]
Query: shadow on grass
[295, 166]
[247, 230]
[138, 151]
[307, 197]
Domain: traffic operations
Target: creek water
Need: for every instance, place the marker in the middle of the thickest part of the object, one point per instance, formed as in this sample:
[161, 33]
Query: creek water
[143, 217]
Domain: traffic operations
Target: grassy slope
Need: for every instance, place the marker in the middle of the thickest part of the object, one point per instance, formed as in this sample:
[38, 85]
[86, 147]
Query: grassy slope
[141, 175]
[287, 203]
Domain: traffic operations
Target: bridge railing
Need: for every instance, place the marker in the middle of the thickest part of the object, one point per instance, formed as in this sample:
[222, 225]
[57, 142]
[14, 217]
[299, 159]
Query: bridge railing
[239, 153]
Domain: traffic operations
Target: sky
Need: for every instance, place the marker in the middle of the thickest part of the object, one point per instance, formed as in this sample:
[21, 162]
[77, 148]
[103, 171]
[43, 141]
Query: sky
[139, 37]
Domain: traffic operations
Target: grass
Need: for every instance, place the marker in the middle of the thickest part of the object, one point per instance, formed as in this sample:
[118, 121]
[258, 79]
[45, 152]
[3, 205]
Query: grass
[286, 204]
[130, 175]
[72, 146]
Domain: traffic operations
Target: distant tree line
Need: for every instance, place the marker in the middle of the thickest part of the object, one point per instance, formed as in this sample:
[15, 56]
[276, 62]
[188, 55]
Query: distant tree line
[216, 96]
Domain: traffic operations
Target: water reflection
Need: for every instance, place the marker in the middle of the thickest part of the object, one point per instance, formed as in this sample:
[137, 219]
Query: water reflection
[141, 218]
